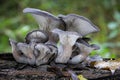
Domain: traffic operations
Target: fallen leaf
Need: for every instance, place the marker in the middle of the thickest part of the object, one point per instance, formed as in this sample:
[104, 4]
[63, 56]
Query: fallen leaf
[111, 65]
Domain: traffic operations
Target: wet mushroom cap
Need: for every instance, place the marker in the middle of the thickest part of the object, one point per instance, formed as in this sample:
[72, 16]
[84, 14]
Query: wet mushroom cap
[37, 36]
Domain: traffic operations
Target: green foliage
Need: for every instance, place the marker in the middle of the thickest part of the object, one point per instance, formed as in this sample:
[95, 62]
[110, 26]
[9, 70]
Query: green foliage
[105, 14]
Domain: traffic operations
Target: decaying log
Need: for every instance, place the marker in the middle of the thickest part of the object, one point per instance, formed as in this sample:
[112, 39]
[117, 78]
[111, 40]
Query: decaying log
[12, 70]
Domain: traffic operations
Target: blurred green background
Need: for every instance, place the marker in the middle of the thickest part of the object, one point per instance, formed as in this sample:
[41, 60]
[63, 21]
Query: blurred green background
[103, 13]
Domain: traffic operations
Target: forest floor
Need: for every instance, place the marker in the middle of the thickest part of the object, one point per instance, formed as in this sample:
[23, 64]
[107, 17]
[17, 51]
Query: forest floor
[11, 70]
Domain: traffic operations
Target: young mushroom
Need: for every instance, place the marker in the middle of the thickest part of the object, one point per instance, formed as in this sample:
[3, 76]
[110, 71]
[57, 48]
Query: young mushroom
[85, 50]
[67, 40]
[36, 36]
[22, 52]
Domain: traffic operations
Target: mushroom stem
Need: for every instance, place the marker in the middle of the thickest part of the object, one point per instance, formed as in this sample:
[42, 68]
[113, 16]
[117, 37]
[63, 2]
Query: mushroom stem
[67, 40]
[64, 53]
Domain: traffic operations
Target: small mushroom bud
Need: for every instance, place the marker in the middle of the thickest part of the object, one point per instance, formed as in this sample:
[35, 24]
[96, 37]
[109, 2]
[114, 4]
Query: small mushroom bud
[67, 40]
[37, 36]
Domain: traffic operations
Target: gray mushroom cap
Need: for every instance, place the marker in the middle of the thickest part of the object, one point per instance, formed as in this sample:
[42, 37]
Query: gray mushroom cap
[70, 22]
[37, 36]
[46, 20]
[78, 23]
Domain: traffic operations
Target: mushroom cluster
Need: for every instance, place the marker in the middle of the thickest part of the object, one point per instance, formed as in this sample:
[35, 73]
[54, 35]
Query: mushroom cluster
[60, 39]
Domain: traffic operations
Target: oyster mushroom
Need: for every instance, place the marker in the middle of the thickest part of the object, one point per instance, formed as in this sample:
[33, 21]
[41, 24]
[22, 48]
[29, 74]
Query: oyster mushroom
[70, 22]
[43, 52]
[22, 52]
[46, 21]
[67, 40]
[85, 50]
[36, 36]
[79, 24]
